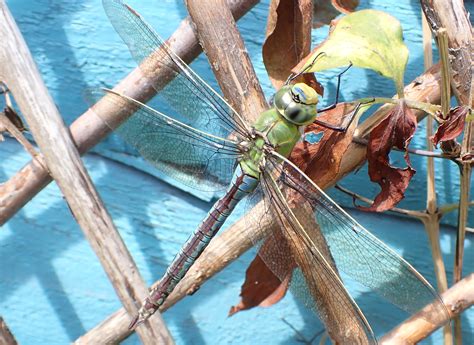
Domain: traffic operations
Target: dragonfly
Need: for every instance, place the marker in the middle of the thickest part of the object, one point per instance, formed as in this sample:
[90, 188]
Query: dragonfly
[204, 143]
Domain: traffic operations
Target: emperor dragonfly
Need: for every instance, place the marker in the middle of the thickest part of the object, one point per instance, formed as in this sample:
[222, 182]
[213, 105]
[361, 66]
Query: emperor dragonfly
[207, 145]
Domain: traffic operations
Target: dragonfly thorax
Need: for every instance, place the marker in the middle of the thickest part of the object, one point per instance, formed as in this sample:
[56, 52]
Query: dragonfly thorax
[297, 103]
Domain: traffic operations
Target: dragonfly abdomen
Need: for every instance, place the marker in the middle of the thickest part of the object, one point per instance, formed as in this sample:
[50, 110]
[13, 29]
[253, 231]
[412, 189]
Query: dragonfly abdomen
[242, 185]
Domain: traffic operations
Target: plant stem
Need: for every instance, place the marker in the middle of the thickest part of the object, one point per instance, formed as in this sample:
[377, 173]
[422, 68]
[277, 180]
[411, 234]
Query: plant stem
[431, 223]
[429, 108]
[415, 214]
[442, 37]
[418, 152]
[465, 183]
[451, 207]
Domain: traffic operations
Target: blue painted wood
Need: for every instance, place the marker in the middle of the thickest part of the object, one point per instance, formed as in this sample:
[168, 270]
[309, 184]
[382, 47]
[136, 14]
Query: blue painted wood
[52, 288]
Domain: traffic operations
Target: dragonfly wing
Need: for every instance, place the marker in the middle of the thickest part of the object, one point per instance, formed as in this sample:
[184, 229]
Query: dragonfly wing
[344, 320]
[355, 250]
[197, 159]
[183, 90]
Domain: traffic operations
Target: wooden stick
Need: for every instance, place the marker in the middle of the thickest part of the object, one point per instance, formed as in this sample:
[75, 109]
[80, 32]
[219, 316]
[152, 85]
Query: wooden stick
[452, 16]
[233, 242]
[89, 129]
[465, 171]
[6, 124]
[432, 219]
[221, 251]
[457, 299]
[19, 71]
[6, 337]
[226, 51]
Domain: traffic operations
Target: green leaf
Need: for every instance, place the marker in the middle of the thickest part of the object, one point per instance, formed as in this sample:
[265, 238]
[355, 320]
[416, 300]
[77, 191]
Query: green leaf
[369, 39]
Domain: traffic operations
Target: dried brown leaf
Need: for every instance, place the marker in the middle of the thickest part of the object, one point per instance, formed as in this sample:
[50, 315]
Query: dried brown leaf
[288, 37]
[324, 10]
[322, 160]
[308, 78]
[396, 130]
[452, 127]
[345, 6]
[262, 287]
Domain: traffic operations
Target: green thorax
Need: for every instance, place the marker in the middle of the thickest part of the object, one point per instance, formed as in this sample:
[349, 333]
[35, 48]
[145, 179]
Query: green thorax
[294, 107]
[281, 133]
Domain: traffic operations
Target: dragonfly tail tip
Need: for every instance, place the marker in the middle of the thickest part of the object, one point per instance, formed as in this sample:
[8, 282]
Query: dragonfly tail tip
[136, 321]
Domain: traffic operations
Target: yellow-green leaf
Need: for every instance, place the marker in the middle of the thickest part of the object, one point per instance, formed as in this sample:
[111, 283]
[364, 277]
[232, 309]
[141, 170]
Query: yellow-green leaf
[369, 39]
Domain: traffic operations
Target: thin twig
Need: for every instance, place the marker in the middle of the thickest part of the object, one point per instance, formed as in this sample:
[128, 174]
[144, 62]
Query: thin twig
[415, 214]
[418, 152]
[465, 184]
[432, 222]
[431, 109]
[442, 39]
[451, 208]
[420, 214]
[427, 45]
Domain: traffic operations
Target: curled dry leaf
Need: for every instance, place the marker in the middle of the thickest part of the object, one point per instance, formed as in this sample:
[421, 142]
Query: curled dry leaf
[322, 160]
[396, 130]
[325, 10]
[262, 287]
[288, 37]
[452, 127]
[345, 6]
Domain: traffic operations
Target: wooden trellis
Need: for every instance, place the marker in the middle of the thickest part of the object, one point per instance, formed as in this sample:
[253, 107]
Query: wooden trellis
[61, 147]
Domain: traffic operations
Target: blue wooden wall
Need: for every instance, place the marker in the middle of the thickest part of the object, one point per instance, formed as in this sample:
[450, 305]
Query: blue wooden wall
[52, 288]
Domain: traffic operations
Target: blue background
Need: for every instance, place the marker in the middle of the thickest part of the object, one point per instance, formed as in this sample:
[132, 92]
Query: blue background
[52, 288]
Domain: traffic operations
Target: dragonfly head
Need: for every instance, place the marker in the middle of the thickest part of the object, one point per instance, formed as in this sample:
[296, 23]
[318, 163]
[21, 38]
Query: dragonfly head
[297, 103]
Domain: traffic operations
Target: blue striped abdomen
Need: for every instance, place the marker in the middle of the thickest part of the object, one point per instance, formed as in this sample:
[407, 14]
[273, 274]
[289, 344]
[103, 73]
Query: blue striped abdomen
[242, 185]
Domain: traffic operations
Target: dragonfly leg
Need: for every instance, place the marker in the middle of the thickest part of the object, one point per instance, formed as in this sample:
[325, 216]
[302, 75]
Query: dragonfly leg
[293, 76]
[263, 135]
[347, 121]
[333, 105]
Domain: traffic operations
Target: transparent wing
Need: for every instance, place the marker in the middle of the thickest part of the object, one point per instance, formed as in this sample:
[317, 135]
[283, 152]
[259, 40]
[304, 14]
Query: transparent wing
[197, 159]
[321, 288]
[182, 90]
[355, 250]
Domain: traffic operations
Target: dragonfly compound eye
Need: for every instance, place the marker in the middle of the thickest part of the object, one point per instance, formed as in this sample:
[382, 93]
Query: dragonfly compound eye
[304, 94]
[297, 103]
